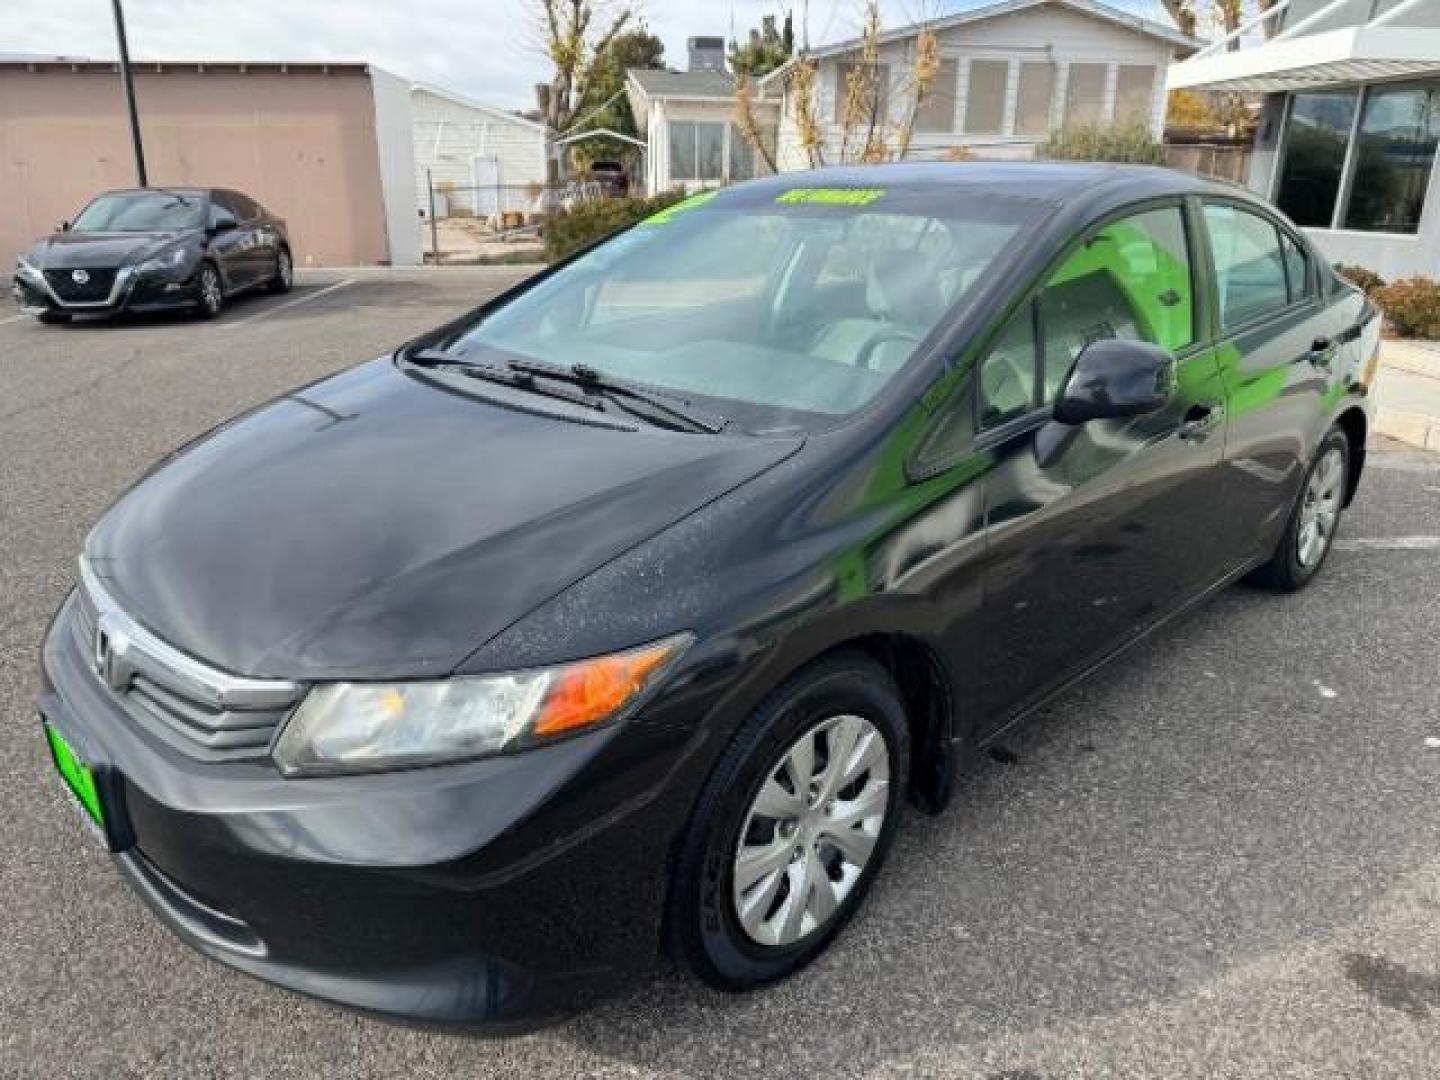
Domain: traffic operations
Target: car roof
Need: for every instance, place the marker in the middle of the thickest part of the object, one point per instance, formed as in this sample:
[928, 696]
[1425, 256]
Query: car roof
[166, 189]
[1060, 182]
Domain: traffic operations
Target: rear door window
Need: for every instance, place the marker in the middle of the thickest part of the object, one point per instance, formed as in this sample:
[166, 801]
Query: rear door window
[1250, 273]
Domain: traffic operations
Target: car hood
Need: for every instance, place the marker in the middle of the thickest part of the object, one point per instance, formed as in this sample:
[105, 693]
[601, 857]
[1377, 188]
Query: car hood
[377, 525]
[97, 251]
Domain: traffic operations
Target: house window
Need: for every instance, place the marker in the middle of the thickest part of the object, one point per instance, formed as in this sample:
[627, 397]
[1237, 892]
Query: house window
[871, 84]
[1134, 94]
[1394, 155]
[1085, 95]
[1315, 139]
[697, 150]
[937, 111]
[741, 157]
[985, 103]
[1037, 91]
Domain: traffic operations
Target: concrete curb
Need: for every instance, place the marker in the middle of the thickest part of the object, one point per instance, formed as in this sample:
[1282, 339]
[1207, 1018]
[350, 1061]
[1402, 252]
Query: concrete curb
[1416, 357]
[1415, 429]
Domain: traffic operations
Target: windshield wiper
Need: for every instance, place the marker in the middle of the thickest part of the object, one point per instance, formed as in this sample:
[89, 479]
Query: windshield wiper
[667, 406]
[440, 360]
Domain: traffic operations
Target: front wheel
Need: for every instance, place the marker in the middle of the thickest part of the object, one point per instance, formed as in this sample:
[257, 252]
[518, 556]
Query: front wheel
[1311, 529]
[792, 826]
[210, 294]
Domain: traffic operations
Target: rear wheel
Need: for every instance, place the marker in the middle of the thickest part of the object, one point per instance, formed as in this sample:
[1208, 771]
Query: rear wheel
[284, 273]
[792, 826]
[1311, 529]
[210, 294]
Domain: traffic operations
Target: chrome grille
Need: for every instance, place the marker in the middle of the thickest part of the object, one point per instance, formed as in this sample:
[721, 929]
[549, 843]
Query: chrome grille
[200, 710]
[95, 288]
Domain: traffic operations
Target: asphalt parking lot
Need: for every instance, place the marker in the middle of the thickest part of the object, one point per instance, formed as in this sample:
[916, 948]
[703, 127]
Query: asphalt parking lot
[1218, 858]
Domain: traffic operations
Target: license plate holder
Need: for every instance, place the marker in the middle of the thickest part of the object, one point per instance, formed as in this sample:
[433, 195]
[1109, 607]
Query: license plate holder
[92, 786]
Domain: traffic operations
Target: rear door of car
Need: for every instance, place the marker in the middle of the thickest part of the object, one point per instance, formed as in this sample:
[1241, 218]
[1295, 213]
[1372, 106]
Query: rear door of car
[227, 244]
[1096, 531]
[1276, 344]
[260, 238]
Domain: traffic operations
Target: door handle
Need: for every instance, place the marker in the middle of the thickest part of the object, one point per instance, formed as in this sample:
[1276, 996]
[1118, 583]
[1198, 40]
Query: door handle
[1321, 350]
[1201, 421]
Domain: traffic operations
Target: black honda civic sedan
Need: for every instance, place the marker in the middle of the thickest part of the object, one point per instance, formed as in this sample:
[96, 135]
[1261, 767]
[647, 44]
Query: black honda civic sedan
[154, 249]
[620, 617]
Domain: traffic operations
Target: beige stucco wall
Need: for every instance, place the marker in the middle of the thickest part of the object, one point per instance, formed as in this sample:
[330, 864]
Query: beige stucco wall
[302, 143]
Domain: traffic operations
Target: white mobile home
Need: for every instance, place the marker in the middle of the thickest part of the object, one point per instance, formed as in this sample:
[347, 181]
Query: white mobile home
[1011, 74]
[483, 160]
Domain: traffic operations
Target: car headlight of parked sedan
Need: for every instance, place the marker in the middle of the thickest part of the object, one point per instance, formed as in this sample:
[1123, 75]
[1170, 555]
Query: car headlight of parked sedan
[167, 262]
[24, 270]
[364, 727]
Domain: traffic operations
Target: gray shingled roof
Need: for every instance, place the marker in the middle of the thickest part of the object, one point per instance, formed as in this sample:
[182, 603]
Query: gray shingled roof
[710, 84]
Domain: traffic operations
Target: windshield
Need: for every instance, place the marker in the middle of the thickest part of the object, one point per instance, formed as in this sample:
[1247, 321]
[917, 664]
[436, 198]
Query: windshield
[142, 211]
[778, 309]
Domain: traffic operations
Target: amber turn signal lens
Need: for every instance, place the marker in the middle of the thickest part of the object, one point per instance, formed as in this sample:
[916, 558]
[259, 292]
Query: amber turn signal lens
[592, 690]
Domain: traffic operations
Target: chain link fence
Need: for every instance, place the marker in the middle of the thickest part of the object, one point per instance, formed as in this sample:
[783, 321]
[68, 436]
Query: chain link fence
[468, 223]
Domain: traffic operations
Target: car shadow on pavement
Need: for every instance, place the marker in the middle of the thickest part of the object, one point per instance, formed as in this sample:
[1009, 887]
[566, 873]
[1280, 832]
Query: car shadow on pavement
[1189, 808]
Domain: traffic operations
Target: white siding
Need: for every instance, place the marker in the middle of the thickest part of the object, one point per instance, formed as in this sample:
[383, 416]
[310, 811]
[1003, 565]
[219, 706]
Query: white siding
[394, 138]
[469, 147]
[1043, 33]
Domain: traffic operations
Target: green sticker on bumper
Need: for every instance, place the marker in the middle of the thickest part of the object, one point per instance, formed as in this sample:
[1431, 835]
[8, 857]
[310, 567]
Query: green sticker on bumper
[76, 774]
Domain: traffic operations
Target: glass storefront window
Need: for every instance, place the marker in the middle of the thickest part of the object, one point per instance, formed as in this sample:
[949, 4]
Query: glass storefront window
[1399, 129]
[1314, 147]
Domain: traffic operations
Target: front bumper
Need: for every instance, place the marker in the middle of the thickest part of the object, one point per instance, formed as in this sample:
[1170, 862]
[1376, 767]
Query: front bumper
[131, 293]
[501, 892]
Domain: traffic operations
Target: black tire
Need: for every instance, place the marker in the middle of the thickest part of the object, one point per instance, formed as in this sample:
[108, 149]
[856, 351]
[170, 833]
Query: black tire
[284, 279]
[1287, 571]
[209, 301]
[703, 924]
[53, 318]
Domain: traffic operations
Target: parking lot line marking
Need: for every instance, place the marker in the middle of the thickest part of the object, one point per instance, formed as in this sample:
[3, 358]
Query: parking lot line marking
[292, 303]
[1389, 543]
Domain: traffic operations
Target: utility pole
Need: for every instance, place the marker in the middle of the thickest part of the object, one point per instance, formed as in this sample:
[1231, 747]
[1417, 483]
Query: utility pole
[129, 82]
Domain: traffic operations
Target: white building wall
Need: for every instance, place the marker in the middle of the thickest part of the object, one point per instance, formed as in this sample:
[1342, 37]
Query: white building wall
[394, 133]
[492, 161]
[1053, 34]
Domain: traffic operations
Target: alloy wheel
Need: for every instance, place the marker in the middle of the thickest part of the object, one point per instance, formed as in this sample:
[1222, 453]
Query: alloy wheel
[1320, 511]
[210, 294]
[284, 270]
[811, 830]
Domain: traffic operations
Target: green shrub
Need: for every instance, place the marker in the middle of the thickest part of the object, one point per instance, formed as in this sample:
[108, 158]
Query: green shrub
[1131, 143]
[567, 231]
[1412, 306]
[1367, 281]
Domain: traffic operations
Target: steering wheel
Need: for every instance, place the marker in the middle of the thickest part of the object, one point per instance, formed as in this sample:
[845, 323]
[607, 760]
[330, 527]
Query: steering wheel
[867, 352]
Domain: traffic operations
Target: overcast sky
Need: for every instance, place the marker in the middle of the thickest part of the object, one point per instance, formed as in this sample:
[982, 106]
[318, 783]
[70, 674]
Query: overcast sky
[485, 48]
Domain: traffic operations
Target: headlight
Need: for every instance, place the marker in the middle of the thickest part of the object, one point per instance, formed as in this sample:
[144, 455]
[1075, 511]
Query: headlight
[169, 260]
[361, 727]
[25, 270]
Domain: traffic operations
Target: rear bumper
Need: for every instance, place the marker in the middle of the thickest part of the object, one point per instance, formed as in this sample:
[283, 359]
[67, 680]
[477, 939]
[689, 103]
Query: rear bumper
[497, 893]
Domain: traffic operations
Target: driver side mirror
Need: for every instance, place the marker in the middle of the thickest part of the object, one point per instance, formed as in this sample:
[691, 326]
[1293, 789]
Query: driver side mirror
[64, 226]
[1114, 378]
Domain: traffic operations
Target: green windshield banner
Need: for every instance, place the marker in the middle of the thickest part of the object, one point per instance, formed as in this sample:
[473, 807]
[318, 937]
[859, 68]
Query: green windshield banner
[832, 196]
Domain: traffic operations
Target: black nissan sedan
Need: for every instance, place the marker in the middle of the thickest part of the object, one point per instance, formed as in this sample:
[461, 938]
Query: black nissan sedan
[154, 249]
[620, 617]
